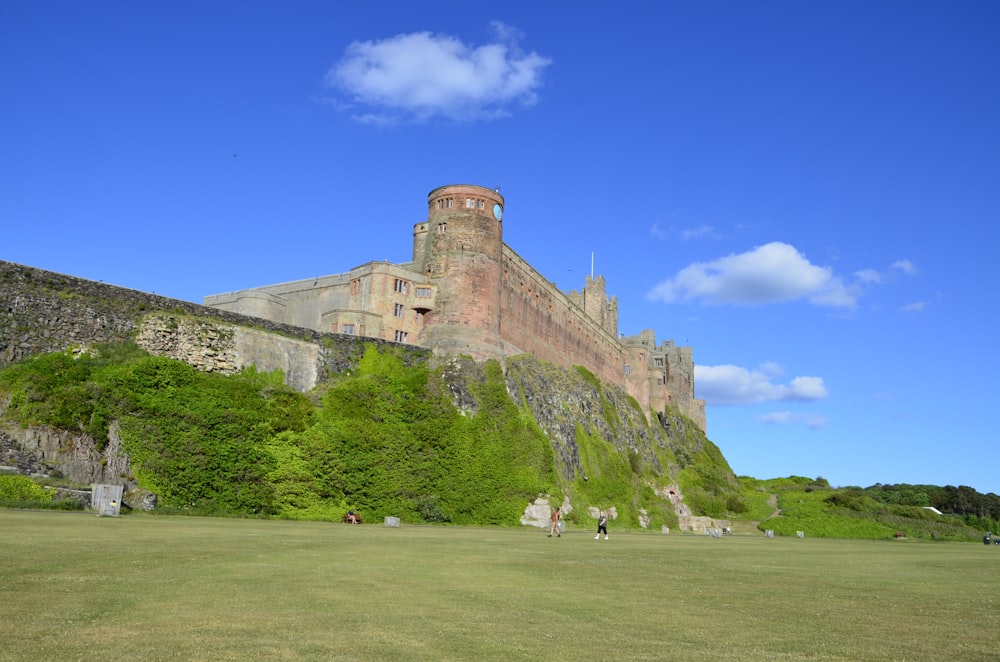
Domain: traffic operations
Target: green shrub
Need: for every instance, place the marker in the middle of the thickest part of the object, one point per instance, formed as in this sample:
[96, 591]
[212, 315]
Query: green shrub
[851, 513]
[387, 441]
[22, 489]
[196, 439]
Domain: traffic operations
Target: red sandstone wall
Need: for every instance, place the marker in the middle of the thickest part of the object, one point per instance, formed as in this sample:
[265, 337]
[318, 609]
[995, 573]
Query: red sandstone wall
[462, 247]
[537, 318]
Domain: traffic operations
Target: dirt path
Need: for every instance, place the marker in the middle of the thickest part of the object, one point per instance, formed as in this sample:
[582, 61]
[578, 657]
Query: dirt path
[773, 502]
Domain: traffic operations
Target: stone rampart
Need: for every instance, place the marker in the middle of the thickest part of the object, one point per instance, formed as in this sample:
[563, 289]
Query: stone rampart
[42, 311]
[539, 319]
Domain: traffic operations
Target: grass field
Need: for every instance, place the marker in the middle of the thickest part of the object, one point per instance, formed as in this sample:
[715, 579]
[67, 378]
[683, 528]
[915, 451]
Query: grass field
[78, 587]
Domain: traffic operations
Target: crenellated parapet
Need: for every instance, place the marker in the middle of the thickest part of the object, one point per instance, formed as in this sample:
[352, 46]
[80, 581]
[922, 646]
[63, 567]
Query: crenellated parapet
[664, 373]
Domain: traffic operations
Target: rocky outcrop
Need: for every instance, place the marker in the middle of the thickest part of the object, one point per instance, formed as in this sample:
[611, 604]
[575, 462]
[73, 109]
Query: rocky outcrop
[44, 451]
[561, 399]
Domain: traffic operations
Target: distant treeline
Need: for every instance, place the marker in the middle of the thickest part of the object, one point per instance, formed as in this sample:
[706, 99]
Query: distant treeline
[977, 509]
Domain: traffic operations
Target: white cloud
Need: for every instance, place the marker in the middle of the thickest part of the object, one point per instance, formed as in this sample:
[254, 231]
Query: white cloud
[915, 307]
[807, 388]
[700, 231]
[420, 76]
[771, 369]
[814, 421]
[658, 231]
[724, 385]
[868, 276]
[772, 273]
[685, 234]
[874, 277]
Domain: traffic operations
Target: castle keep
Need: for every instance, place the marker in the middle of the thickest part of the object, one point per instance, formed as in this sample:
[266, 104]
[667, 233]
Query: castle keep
[467, 292]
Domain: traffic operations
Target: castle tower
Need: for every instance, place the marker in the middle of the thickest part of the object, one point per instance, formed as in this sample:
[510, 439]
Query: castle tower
[598, 306]
[459, 250]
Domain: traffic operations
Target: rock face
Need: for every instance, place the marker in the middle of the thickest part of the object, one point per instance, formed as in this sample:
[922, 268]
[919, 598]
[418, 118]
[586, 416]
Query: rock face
[538, 513]
[562, 399]
[47, 452]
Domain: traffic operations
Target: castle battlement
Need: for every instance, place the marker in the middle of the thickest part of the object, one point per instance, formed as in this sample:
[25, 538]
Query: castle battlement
[466, 292]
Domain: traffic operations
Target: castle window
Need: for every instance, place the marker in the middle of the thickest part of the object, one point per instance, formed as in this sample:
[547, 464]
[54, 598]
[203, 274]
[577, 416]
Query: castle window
[398, 312]
[349, 329]
[401, 336]
[628, 369]
[442, 228]
[424, 292]
[659, 381]
[481, 204]
[449, 202]
[658, 361]
[355, 286]
[401, 286]
[470, 203]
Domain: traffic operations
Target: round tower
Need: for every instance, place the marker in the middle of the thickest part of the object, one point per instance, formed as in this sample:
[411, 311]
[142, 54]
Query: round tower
[459, 249]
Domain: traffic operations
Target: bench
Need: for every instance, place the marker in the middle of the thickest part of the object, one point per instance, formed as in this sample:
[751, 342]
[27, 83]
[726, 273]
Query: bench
[347, 518]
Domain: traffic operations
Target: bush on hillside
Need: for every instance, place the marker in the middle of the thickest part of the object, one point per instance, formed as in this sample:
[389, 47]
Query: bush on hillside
[21, 489]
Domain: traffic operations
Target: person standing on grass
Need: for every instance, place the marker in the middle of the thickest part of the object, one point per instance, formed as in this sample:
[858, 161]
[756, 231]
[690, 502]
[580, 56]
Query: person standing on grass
[602, 525]
[555, 524]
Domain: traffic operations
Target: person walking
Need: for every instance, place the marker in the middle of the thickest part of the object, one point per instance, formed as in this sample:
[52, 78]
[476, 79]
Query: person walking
[555, 524]
[602, 525]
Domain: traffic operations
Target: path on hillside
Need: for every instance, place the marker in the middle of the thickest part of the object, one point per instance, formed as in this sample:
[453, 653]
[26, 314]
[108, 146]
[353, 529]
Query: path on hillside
[773, 502]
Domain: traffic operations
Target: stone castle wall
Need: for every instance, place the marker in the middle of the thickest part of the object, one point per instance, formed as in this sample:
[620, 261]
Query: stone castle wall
[539, 319]
[42, 311]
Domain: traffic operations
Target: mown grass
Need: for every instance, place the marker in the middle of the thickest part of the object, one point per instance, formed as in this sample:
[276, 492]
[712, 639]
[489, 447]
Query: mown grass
[75, 586]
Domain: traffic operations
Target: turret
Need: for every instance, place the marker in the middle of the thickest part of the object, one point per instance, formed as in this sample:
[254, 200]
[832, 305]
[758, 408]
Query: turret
[598, 306]
[459, 250]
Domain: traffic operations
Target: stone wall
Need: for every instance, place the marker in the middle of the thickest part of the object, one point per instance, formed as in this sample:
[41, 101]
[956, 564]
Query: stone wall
[212, 346]
[539, 319]
[42, 311]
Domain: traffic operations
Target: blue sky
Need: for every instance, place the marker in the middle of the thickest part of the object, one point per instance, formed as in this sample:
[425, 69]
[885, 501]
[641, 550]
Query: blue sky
[804, 192]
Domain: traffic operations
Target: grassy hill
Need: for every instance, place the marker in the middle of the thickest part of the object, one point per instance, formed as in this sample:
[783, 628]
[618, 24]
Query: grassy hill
[463, 443]
[878, 512]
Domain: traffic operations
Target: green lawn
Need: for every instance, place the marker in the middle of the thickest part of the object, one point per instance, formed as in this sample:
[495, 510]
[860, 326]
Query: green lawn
[78, 587]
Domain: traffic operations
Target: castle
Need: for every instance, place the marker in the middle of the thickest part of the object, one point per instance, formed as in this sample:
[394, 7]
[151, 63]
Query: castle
[466, 292]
